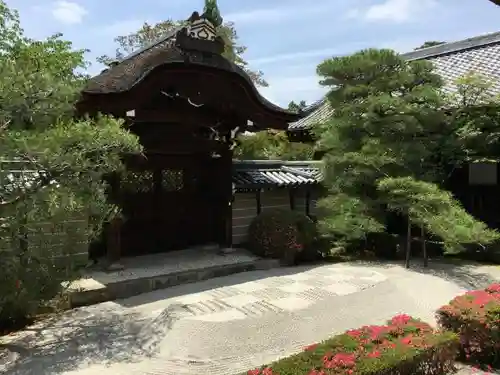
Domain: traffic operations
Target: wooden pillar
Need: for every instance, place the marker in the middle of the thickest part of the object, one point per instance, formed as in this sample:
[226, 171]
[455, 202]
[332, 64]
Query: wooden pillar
[258, 201]
[291, 194]
[227, 194]
[308, 202]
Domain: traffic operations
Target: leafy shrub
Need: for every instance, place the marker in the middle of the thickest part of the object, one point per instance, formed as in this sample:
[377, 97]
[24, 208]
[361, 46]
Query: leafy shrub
[282, 234]
[475, 317]
[39, 249]
[403, 346]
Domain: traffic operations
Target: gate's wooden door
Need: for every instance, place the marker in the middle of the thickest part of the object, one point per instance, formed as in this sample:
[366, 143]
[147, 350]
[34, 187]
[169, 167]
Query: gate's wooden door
[166, 205]
[138, 201]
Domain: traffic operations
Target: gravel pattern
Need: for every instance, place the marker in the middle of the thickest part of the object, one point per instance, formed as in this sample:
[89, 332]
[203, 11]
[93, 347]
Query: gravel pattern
[160, 334]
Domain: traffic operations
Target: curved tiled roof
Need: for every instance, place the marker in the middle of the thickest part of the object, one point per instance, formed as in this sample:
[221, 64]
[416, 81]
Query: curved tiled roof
[480, 55]
[252, 174]
[320, 114]
[128, 72]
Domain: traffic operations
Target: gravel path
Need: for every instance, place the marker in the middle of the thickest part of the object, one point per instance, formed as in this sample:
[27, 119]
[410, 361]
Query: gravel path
[227, 325]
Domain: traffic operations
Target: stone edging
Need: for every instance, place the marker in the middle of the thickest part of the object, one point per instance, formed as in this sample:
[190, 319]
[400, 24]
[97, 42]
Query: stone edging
[130, 288]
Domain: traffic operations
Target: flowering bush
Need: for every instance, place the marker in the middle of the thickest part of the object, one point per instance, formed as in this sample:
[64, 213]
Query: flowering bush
[475, 316]
[403, 346]
[281, 234]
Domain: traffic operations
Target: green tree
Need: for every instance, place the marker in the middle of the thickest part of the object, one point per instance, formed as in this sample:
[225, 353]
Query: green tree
[381, 143]
[271, 145]
[51, 166]
[474, 121]
[148, 34]
[430, 43]
[297, 106]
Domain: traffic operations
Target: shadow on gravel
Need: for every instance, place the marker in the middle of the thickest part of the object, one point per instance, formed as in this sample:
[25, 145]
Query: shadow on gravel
[105, 334]
[111, 333]
[82, 337]
[466, 274]
[215, 283]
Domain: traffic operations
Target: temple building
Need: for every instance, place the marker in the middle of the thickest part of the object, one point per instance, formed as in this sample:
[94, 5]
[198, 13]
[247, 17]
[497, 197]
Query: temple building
[186, 102]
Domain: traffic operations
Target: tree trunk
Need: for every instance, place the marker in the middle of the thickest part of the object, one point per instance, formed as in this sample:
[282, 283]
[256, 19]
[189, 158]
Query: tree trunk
[424, 247]
[408, 244]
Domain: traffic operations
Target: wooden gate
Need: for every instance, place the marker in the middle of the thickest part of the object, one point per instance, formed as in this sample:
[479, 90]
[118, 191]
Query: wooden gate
[168, 204]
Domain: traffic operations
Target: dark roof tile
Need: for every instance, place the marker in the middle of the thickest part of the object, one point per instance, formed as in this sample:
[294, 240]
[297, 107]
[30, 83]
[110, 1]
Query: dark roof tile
[251, 174]
[318, 116]
[479, 55]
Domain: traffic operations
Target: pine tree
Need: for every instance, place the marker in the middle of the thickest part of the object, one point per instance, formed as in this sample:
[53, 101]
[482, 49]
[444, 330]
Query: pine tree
[212, 13]
[382, 146]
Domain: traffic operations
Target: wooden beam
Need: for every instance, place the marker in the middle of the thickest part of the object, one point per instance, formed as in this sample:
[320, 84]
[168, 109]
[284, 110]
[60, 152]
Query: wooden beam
[177, 117]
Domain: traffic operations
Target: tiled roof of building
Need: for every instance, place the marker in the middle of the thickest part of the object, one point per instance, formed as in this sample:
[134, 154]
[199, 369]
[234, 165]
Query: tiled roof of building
[196, 45]
[480, 55]
[251, 174]
[318, 116]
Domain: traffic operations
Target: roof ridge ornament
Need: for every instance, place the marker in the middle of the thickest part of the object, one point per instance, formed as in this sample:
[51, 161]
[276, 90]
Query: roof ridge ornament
[200, 33]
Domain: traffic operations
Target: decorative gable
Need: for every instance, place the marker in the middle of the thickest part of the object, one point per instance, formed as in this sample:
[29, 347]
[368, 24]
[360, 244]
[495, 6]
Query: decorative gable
[202, 29]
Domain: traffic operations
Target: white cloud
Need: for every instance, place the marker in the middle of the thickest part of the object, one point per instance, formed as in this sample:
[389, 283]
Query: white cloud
[122, 27]
[318, 54]
[279, 14]
[323, 53]
[392, 10]
[68, 12]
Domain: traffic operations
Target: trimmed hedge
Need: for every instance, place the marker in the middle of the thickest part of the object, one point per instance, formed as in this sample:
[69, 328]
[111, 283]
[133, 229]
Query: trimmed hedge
[475, 317]
[404, 346]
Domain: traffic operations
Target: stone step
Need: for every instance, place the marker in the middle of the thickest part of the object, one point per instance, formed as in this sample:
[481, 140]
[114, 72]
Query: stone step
[91, 291]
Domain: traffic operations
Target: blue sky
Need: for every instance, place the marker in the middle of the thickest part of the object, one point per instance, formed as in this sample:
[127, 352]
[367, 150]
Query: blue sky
[286, 39]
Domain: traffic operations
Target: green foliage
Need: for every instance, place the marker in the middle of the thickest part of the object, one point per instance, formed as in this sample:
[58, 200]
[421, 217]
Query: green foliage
[428, 205]
[474, 120]
[347, 218]
[404, 346]
[149, 34]
[37, 78]
[211, 11]
[388, 146]
[52, 168]
[297, 106]
[281, 234]
[271, 145]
